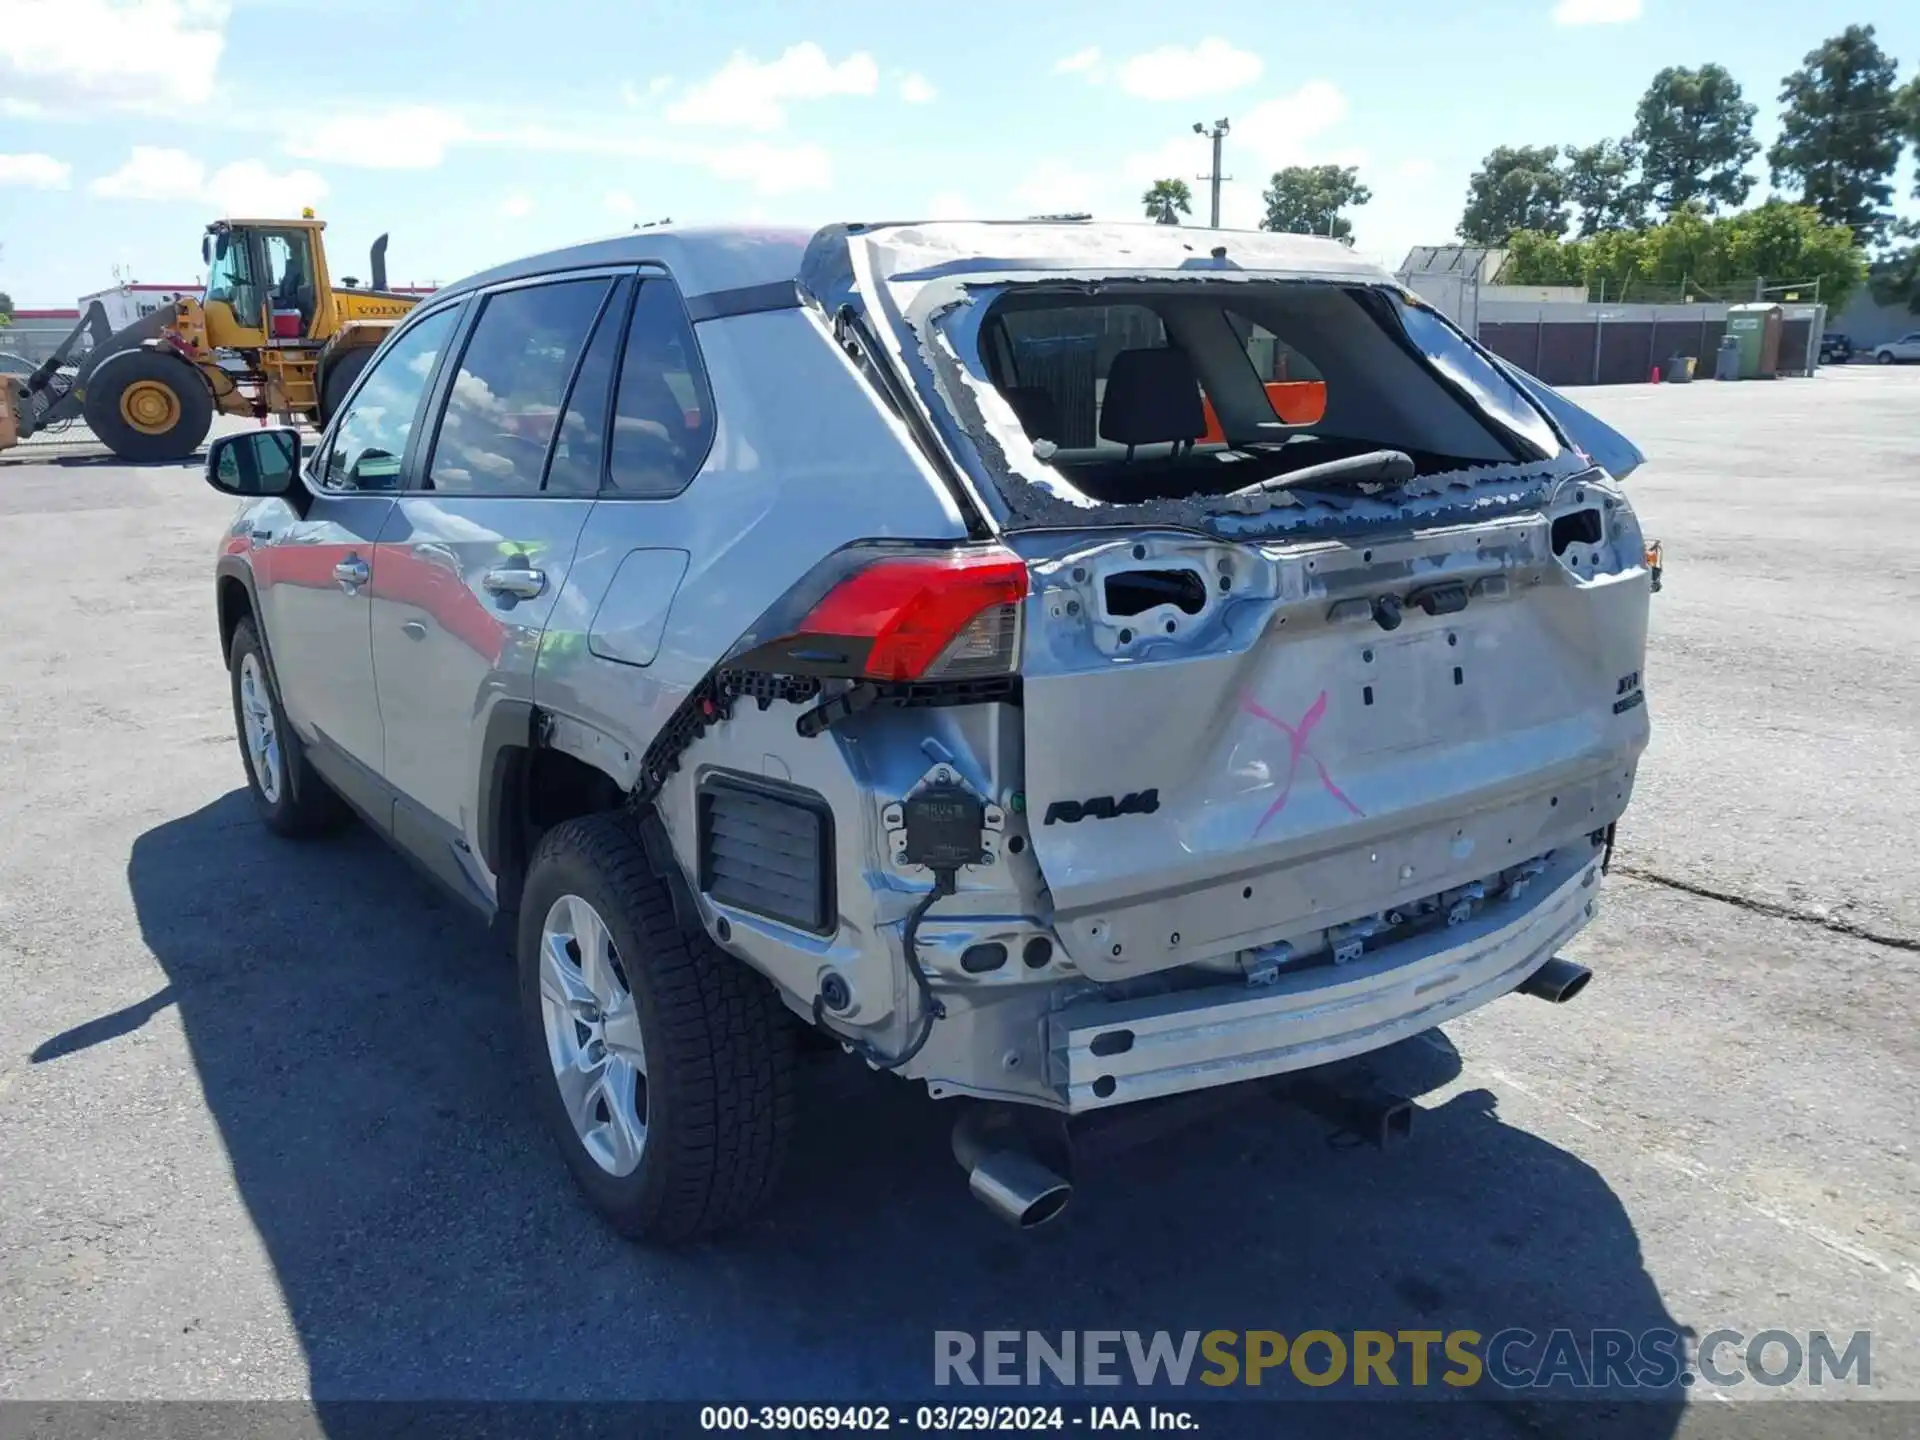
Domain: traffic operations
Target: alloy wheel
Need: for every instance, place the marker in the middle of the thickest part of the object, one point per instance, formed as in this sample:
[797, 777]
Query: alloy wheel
[593, 1035]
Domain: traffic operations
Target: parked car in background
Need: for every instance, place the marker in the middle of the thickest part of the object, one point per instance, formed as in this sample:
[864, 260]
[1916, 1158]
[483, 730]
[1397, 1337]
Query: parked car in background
[933, 639]
[1903, 350]
[1835, 348]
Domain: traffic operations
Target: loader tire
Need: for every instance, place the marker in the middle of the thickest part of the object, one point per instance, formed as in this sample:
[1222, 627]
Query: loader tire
[144, 405]
[340, 377]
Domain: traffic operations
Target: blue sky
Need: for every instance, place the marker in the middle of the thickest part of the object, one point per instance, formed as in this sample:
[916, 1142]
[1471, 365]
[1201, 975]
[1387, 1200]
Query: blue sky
[480, 130]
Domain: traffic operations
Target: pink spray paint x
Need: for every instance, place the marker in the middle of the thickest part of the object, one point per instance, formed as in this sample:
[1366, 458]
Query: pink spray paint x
[1296, 751]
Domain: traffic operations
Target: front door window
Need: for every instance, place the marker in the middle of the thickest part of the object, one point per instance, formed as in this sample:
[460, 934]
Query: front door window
[231, 280]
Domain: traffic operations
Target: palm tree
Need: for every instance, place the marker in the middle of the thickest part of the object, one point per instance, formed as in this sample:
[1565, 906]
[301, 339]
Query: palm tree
[1167, 200]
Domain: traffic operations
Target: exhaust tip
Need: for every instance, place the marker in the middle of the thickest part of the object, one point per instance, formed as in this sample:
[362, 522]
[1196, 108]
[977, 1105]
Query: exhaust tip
[1019, 1189]
[1557, 981]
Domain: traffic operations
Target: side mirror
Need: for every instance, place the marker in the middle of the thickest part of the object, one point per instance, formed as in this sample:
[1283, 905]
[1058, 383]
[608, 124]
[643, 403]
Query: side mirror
[255, 463]
[206, 249]
[220, 245]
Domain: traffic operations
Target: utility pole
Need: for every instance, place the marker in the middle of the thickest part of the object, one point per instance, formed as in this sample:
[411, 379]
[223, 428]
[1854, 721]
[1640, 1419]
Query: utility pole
[1216, 134]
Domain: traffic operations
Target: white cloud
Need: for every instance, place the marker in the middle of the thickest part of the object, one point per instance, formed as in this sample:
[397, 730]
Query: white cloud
[135, 53]
[1175, 72]
[1286, 130]
[16, 109]
[634, 96]
[249, 187]
[1183, 157]
[917, 90]
[770, 169]
[1053, 187]
[245, 187]
[1595, 12]
[748, 94]
[1081, 62]
[154, 174]
[620, 205]
[406, 137]
[951, 205]
[517, 206]
[1415, 169]
[35, 171]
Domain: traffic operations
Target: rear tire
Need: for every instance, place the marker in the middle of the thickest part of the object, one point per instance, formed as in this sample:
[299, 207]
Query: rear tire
[271, 751]
[147, 406]
[695, 1042]
[340, 377]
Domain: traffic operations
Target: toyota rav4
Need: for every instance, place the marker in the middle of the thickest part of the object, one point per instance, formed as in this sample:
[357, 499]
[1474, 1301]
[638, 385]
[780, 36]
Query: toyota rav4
[1064, 664]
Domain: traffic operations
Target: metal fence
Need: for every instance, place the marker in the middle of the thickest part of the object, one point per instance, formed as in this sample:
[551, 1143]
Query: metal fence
[1634, 291]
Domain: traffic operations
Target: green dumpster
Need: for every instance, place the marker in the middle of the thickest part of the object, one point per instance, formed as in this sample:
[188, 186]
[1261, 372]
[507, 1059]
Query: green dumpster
[1757, 327]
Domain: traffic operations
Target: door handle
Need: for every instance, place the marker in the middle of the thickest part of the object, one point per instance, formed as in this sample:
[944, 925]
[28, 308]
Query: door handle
[415, 629]
[352, 571]
[521, 584]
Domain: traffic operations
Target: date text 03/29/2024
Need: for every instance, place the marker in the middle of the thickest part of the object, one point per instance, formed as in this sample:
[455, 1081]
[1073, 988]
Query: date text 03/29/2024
[974, 1419]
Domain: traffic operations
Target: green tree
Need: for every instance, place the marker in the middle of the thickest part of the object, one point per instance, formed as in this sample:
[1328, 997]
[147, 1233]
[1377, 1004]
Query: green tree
[1308, 199]
[1777, 241]
[1836, 149]
[1894, 277]
[1906, 110]
[1167, 200]
[1515, 188]
[1600, 185]
[6, 309]
[1784, 242]
[1694, 133]
[1687, 250]
[1535, 258]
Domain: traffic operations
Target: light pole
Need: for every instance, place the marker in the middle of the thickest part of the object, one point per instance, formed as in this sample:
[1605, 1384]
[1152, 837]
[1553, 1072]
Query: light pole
[1216, 134]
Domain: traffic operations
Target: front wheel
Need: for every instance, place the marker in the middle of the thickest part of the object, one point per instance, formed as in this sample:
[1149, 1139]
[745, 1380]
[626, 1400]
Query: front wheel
[145, 405]
[271, 751]
[664, 1067]
[1885, 357]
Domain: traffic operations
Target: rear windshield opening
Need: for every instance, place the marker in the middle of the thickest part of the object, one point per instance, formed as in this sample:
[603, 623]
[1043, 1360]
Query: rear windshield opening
[1175, 391]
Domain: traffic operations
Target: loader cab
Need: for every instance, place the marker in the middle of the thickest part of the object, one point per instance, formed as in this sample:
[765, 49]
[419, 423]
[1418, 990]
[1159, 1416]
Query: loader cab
[269, 278]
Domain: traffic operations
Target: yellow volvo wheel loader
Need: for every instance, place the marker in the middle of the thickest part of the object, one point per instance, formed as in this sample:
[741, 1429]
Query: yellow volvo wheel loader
[272, 336]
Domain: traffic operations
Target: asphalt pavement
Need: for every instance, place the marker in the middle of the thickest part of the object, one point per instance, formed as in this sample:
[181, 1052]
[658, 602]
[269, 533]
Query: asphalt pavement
[264, 1132]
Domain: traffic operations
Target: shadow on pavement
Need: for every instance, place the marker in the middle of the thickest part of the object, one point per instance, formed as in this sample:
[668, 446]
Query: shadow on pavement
[354, 1037]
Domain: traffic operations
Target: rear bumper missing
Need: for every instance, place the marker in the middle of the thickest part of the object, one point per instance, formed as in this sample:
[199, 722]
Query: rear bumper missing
[1191, 1040]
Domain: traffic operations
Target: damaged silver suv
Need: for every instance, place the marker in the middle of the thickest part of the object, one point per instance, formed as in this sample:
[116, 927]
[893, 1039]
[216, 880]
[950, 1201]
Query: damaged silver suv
[1065, 664]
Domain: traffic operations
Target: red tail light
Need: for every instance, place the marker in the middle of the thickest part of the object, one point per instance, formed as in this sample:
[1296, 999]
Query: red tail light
[949, 615]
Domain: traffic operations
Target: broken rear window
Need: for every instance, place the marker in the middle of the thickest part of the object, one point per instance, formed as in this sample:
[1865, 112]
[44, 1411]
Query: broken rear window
[1140, 391]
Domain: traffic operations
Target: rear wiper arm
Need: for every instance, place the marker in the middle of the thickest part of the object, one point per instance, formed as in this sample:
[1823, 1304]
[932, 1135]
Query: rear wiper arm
[1376, 467]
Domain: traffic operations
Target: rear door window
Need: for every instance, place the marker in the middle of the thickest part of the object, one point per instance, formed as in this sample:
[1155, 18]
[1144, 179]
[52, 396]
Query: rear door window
[1497, 396]
[1295, 387]
[504, 404]
[1057, 360]
[663, 408]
